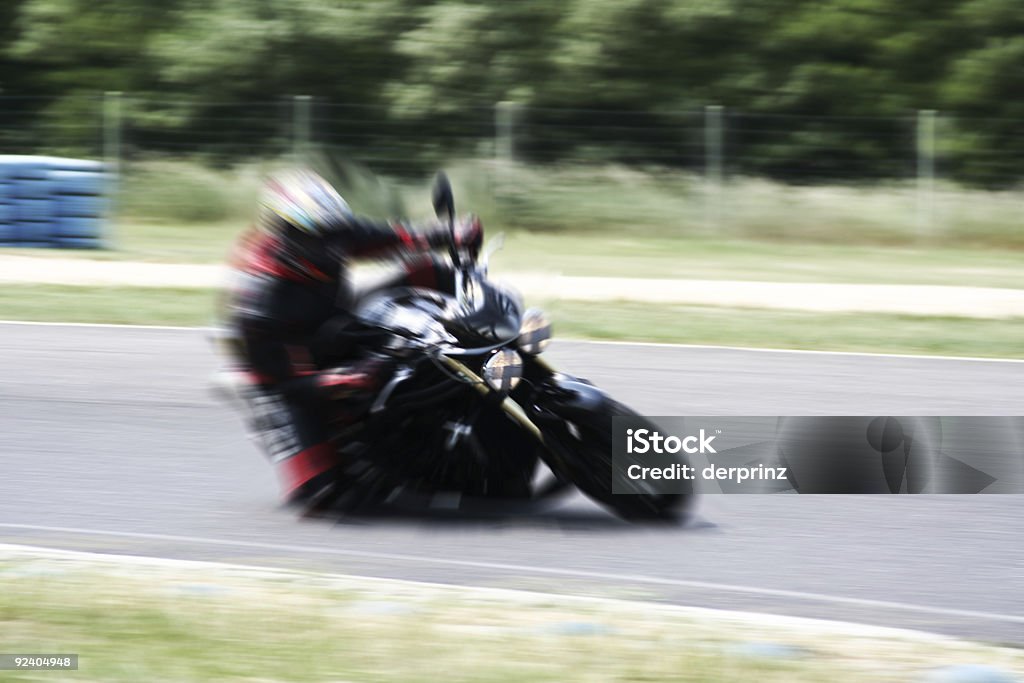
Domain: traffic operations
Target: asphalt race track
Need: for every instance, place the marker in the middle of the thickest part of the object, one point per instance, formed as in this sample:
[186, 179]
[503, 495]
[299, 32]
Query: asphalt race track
[109, 442]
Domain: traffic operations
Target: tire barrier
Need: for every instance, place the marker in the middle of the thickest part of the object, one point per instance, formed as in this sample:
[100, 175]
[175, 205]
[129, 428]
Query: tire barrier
[53, 202]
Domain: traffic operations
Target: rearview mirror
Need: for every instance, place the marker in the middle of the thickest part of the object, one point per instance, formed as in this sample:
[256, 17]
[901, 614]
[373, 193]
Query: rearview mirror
[444, 201]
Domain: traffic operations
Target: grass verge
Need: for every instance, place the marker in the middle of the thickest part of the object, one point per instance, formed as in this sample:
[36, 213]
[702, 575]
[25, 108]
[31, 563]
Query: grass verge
[120, 305]
[758, 328]
[613, 320]
[717, 259]
[602, 254]
[145, 621]
[600, 198]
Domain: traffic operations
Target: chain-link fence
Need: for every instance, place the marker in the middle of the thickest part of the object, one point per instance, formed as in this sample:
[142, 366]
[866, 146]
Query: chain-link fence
[801, 149]
[703, 154]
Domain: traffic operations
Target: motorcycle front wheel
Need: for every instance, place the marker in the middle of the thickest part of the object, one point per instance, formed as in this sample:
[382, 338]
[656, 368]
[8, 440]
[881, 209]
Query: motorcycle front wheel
[585, 441]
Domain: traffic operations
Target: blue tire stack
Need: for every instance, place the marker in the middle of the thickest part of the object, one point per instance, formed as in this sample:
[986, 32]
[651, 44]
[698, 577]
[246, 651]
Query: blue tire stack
[52, 202]
[8, 235]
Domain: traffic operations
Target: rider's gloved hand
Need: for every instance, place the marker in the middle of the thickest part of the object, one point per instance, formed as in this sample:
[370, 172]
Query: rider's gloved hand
[434, 236]
[346, 381]
[469, 234]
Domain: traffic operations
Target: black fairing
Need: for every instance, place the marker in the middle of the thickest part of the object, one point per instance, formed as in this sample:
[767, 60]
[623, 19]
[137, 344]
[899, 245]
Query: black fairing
[496, 319]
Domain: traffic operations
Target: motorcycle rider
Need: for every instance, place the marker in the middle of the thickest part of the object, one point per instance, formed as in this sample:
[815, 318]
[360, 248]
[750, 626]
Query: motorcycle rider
[293, 295]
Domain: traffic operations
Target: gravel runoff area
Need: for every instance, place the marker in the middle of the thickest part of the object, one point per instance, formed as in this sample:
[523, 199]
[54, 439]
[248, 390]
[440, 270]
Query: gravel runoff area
[926, 300]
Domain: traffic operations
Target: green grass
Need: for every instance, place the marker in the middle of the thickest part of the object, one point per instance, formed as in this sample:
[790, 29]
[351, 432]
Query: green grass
[659, 203]
[195, 623]
[121, 305]
[791, 329]
[715, 259]
[617, 221]
[614, 320]
[624, 256]
[178, 192]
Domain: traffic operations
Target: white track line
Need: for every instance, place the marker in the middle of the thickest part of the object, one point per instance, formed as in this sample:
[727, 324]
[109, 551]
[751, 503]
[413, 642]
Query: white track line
[529, 569]
[598, 342]
[115, 326]
[713, 347]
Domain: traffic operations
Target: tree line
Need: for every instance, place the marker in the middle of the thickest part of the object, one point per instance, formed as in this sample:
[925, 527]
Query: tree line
[811, 88]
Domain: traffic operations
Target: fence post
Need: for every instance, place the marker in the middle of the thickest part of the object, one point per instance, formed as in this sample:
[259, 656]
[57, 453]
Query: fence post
[506, 115]
[112, 132]
[713, 165]
[112, 123]
[301, 128]
[926, 170]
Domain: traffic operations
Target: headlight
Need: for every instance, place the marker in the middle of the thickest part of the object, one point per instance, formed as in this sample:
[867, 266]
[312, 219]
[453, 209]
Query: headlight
[535, 332]
[503, 370]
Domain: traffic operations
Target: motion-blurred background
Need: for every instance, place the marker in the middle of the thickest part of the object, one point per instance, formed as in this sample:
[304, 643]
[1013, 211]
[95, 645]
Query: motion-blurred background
[802, 174]
[846, 142]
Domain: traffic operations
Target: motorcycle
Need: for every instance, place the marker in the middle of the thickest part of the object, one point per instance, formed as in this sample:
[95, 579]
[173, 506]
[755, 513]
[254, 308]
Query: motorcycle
[471, 409]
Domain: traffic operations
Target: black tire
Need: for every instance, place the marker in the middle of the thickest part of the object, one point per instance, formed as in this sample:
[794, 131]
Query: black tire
[588, 437]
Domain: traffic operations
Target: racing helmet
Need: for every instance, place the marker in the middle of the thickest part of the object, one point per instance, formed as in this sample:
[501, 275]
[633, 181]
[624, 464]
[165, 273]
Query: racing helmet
[302, 199]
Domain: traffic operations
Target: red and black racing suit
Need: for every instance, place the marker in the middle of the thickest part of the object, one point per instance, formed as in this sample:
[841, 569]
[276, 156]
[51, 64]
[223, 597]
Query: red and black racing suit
[289, 284]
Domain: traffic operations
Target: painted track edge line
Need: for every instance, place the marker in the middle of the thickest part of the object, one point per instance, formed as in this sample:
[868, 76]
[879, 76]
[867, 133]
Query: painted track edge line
[126, 326]
[768, 349]
[528, 569]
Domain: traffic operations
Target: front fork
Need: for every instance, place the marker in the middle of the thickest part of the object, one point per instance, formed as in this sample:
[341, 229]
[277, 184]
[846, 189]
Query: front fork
[545, 396]
[507, 404]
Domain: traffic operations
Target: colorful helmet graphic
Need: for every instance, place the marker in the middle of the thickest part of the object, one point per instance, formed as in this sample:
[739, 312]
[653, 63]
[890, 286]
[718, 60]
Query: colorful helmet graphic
[304, 200]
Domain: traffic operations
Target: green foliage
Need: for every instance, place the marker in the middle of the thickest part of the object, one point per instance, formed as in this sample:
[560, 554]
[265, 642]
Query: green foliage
[584, 205]
[187, 193]
[824, 89]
